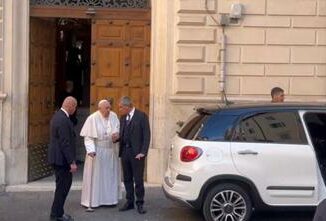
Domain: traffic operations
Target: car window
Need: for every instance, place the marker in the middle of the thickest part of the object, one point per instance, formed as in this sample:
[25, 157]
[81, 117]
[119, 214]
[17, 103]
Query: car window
[217, 128]
[316, 124]
[272, 127]
[192, 126]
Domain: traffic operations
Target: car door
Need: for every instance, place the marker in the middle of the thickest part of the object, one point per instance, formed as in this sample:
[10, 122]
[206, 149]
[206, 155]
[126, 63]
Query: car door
[271, 149]
[315, 125]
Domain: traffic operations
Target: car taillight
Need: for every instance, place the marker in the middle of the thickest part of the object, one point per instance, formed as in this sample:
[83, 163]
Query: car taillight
[190, 153]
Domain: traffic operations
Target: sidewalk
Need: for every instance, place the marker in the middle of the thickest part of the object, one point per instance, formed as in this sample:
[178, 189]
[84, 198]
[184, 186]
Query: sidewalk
[48, 184]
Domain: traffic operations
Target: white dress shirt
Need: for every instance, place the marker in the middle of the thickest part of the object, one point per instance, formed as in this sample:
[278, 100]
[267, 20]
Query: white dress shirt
[130, 114]
[65, 112]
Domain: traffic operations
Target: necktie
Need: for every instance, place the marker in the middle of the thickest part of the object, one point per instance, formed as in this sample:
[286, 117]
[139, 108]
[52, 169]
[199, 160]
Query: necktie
[128, 118]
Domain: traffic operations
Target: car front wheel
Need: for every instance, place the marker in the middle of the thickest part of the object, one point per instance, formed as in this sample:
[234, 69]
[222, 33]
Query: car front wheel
[227, 202]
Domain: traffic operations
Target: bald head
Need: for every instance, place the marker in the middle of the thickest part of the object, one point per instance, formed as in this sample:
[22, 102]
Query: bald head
[104, 107]
[69, 104]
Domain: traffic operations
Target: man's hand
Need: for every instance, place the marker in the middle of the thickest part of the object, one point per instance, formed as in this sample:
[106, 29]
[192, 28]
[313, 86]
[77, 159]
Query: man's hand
[73, 167]
[115, 137]
[139, 156]
[92, 154]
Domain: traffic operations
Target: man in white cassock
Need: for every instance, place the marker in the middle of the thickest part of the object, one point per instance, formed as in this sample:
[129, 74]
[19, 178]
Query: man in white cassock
[101, 178]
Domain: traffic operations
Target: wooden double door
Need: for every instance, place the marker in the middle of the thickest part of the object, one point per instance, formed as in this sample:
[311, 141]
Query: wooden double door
[120, 66]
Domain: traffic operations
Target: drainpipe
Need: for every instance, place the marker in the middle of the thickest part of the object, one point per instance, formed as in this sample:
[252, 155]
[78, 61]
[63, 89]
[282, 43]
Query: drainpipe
[224, 20]
[2, 155]
[222, 55]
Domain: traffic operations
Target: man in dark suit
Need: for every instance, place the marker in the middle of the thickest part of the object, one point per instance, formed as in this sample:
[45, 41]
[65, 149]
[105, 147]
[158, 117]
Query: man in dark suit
[61, 155]
[134, 143]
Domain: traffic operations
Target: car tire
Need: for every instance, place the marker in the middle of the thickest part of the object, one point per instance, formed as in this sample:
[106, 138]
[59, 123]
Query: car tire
[227, 202]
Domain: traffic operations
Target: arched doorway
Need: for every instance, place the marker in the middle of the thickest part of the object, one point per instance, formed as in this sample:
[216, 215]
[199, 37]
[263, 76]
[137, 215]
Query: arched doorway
[102, 46]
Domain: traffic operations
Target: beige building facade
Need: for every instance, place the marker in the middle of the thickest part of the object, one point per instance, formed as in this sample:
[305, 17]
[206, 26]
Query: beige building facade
[193, 60]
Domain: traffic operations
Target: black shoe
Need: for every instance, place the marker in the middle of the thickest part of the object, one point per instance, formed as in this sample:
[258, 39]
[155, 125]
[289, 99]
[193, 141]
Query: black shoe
[65, 217]
[140, 209]
[127, 206]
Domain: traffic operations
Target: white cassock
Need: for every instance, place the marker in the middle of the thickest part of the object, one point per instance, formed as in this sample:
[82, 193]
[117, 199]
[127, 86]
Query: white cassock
[101, 178]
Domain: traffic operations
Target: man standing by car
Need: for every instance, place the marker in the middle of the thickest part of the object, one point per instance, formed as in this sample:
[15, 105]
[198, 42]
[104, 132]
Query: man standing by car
[134, 143]
[277, 94]
[61, 155]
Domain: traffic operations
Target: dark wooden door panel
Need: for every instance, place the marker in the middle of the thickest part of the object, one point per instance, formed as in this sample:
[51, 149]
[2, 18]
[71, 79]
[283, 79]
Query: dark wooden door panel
[120, 61]
[41, 94]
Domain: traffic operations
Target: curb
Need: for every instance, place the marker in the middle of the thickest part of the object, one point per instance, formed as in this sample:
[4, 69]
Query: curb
[50, 187]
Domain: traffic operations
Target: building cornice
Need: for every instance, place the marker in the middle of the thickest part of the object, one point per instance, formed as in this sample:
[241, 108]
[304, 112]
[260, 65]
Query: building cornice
[191, 99]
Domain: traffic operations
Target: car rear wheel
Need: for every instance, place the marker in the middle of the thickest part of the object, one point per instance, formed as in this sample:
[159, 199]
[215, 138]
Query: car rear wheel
[227, 202]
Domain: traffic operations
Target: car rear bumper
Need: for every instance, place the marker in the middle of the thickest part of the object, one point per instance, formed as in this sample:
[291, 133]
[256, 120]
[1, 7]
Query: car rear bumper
[176, 199]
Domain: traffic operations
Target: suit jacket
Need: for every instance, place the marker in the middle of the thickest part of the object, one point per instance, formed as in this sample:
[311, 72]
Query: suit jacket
[61, 150]
[139, 135]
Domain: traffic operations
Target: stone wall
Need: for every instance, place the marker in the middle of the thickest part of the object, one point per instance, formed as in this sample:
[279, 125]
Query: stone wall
[2, 97]
[276, 43]
[1, 46]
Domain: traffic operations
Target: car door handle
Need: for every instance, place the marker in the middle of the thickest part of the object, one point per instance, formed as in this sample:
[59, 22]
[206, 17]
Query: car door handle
[247, 152]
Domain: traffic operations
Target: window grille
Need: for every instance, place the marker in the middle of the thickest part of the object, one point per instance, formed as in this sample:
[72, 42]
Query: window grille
[93, 3]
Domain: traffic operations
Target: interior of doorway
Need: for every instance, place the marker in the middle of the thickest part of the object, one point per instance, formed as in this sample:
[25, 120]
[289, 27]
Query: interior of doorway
[73, 60]
[73, 52]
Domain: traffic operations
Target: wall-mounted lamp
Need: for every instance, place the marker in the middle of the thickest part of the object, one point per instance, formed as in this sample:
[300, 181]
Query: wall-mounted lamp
[91, 12]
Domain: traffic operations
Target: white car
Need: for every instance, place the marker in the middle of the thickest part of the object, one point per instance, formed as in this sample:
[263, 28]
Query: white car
[230, 160]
